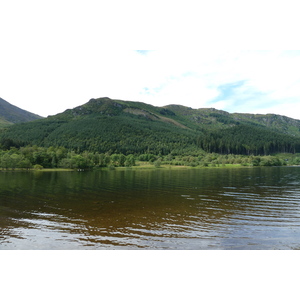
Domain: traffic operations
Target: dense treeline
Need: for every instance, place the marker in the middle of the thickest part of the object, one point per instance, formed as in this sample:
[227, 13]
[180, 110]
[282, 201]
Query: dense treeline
[59, 157]
[249, 140]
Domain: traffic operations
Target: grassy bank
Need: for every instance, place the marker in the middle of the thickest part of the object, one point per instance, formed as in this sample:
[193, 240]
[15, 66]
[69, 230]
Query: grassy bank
[146, 165]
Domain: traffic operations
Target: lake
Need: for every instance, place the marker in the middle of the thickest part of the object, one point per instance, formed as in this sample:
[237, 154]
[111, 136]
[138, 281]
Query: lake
[209, 208]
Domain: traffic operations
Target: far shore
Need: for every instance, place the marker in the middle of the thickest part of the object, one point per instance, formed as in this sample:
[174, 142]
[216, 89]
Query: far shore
[138, 166]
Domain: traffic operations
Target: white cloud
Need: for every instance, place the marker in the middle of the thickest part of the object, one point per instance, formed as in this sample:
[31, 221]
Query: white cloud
[59, 55]
[266, 76]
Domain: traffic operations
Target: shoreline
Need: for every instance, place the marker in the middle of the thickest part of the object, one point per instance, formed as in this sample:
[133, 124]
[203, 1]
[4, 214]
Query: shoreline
[137, 167]
[143, 166]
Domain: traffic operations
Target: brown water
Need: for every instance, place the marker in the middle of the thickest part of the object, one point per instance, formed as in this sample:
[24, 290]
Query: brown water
[248, 208]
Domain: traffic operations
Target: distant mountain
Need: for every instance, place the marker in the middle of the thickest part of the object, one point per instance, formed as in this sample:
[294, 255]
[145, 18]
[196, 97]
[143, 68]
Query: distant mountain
[10, 114]
[106, 125]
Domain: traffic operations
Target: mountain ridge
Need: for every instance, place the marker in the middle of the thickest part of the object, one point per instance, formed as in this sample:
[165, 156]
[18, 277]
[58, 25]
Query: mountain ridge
[120, 126]
[11, 114]
[205, 115]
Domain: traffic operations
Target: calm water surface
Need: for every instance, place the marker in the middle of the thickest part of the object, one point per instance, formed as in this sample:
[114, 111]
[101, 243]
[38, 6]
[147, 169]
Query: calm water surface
[247, 208]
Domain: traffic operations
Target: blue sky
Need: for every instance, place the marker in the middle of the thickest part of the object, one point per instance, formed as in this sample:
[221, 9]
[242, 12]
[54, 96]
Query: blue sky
[250, 81]
[58, 55]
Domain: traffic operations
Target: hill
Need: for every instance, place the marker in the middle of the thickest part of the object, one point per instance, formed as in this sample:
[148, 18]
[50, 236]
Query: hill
[105, 125]
[10, 114]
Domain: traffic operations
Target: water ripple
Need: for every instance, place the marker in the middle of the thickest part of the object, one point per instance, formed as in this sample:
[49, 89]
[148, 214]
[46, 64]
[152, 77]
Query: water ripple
[190, 209]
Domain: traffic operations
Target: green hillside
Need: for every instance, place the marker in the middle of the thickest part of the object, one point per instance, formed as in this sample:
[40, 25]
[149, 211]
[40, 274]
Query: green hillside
[105, 125]
[10, 114]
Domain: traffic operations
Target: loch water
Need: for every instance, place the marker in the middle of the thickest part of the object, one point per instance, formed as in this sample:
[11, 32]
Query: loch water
[187, 209]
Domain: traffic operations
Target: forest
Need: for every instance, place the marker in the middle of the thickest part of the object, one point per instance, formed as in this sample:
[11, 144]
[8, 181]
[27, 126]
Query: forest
[133, 136]
[105, 132]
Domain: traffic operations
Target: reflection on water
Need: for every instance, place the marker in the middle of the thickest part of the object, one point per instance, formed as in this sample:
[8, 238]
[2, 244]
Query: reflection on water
[249, 208]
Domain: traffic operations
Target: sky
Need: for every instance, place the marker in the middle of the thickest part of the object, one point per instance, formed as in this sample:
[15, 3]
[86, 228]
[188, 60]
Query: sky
[56, 55]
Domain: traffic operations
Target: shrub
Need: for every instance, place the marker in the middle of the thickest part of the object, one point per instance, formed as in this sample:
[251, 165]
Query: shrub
[38, 167]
